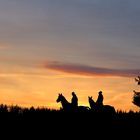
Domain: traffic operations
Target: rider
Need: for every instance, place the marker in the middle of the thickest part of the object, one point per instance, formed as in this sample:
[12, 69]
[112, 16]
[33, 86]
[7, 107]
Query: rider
[100, 99]
[74, 99]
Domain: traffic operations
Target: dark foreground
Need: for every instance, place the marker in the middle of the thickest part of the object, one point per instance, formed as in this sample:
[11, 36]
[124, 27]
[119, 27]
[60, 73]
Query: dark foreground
[55, 124]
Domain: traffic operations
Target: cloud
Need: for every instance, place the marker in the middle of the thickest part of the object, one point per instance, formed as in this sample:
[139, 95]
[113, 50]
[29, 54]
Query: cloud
[90, 70]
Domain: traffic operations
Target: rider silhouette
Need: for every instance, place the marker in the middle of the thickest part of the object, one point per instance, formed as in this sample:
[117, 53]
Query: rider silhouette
[100, 99]
[74, 99]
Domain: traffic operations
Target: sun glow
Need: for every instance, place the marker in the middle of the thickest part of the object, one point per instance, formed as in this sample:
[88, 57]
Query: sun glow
[41, 87]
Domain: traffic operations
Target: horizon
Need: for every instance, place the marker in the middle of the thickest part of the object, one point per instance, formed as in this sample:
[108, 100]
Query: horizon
[50, 47]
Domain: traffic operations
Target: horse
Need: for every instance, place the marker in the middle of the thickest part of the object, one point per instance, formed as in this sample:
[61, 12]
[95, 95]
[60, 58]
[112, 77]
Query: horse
[67, 106]
[100, 108]
[92, 103]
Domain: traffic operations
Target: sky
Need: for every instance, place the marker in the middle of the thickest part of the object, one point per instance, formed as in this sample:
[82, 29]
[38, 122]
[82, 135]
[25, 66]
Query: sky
[60, 46]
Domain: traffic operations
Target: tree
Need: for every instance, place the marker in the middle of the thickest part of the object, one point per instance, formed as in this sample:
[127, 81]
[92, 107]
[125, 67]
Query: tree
[136, 96]
[138, 80]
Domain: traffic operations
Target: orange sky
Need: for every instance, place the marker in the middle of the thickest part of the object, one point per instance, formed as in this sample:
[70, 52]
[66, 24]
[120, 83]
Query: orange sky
[49, 47]
[41, 88]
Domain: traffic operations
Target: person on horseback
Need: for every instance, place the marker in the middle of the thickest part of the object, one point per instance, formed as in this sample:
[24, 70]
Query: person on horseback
[74, 100]
[100, 99]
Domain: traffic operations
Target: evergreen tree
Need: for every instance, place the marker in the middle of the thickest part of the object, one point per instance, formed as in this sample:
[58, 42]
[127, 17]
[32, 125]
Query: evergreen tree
[136, 96]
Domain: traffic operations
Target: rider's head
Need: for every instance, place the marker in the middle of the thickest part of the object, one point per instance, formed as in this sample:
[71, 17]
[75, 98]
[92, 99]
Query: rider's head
[73, 93]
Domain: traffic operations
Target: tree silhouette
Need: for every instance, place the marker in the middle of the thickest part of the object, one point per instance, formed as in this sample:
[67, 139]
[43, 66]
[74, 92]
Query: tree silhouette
[136, 96]
[138, 80]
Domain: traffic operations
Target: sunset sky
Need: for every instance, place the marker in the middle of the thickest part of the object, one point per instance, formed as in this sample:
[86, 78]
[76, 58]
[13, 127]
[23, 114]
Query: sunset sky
[59, 46]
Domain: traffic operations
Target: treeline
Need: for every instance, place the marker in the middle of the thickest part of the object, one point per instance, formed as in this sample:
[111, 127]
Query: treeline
[44, 112]
[23, 110]
[9, 109]
[44, 122]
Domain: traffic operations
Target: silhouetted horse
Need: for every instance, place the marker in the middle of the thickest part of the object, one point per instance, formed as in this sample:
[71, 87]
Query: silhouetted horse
[92, 103]
[67, 106]
[100, 108]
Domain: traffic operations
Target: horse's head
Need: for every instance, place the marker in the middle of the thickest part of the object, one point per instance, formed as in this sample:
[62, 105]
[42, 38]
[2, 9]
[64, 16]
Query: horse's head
[92, 103]
[90, 99]
[60, 97]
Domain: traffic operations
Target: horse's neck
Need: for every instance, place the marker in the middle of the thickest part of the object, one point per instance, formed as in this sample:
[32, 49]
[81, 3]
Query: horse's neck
[92, 103]
[64, 102]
